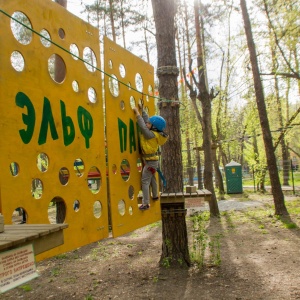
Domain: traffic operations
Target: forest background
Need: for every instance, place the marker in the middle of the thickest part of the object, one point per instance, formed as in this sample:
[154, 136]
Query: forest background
[236, 136]
[235, 120]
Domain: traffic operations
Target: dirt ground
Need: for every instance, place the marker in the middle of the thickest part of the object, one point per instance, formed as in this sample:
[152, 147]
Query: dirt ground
[249, 254]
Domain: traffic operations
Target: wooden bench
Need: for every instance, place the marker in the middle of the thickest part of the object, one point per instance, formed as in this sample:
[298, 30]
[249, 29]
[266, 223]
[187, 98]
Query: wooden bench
[43, 236]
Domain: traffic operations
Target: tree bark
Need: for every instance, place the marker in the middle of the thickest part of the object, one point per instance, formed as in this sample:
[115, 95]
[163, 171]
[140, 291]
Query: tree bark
[112, 21]
[205, 99]
[174, 248]
[174, 235]
[280, 208]
[62, 3]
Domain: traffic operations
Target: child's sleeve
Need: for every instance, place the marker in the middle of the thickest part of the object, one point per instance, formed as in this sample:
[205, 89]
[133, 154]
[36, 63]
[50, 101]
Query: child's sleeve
[145, 116]
[148, 134]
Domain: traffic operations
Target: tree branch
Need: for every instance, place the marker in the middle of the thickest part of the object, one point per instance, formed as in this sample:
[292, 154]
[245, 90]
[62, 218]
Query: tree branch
[277, 40]
[288, 75]
[286, 128]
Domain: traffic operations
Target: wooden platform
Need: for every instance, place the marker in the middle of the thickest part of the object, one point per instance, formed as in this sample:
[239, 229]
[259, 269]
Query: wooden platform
[180, 197]
[43, 236]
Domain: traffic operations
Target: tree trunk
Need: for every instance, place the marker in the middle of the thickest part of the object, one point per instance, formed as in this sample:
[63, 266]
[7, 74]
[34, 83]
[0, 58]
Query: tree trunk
[284, 149]
[174, 235]
[199, 171]
[123, 24]
[174, 248]
[112, 21]
[280, 207]
[60, 212]
[62, 3]
[218, 174]
[205, 100]
[190, 168]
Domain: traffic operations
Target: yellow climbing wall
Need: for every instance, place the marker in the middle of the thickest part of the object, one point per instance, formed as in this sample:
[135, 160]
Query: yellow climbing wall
[128, 82]
[53, 147]
[52, 127]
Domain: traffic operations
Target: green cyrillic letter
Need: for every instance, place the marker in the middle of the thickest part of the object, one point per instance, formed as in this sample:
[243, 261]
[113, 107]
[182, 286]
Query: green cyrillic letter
[67, 125]
[29, 119]
[122, 135]
[47, 119]
[132, 140]
[85, 123]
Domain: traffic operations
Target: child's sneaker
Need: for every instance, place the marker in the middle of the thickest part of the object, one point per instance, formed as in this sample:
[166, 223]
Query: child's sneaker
[144, 207]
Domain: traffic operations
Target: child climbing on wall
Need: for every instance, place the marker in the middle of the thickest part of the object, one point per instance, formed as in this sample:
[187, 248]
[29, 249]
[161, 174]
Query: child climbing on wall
[152, 136]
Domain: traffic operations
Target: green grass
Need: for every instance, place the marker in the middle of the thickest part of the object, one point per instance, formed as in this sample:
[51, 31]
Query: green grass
[26, 288]
[206, 244]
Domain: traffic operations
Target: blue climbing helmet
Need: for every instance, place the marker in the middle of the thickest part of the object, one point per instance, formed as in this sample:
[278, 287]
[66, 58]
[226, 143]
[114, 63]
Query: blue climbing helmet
[158, 122]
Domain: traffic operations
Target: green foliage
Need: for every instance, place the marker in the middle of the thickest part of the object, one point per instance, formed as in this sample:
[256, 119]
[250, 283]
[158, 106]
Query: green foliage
[153, 225]
[203, 242]
[26, 288]
[290, 225]
[55, 272]
[166, 262]
[62, 256]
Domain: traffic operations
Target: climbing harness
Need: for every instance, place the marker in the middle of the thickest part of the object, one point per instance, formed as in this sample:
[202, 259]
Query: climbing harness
[151, 154]
[161, 175]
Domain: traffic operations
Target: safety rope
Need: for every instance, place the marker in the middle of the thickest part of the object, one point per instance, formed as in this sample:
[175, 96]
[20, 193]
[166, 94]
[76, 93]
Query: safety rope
[160, 100]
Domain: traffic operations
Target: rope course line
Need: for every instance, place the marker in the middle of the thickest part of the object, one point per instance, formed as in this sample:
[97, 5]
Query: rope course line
[160, 100]
[259, 134]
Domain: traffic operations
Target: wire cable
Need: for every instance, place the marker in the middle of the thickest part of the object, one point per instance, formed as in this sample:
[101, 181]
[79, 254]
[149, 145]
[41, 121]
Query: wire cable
[160, 100]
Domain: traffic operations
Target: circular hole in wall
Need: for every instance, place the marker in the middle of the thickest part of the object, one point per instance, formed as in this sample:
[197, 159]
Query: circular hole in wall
[17, 61]
[78, 167]
[114, 169]
[139, 165]
[45, 38]
[121, 207]
[42, 162]
[75, 86]
[130, 210]
[122, 70]
[92, 95]
[131, 192]
[122, 105]
[19, 216]
[139, 82]
[14, 168]
[97, 209]
[113, 85]
[61, 33]
[132, 102]
[125, 169]
[23, 34]
[94, 180]
[57, 211]
[74, 51]
[89, 58]
[37, 188]
[76, 205]
[64, 175]
[57, 68]
[150, 91]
